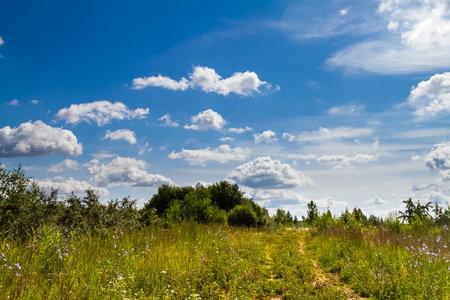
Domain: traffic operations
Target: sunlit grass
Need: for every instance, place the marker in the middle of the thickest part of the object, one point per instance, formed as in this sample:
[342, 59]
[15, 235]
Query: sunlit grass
[387, 265]
[189, 261]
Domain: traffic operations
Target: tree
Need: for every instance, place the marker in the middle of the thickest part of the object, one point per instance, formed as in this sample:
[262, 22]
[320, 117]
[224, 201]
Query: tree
[242, 215]
[225, 195]
[165, 195]
[312, 212]
[415, 210]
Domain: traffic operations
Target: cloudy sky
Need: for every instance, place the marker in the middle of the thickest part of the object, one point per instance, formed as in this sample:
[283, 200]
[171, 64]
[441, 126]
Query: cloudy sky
[346, 103]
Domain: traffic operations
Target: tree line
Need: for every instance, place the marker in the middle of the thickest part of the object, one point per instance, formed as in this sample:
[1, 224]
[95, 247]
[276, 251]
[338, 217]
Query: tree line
[26, 209]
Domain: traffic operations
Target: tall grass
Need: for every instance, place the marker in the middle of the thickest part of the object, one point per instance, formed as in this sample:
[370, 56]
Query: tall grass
[381, 264]
[189, 261]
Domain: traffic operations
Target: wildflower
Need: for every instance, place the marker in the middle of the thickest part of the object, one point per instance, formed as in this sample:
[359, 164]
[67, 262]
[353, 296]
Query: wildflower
[18, 266]
[445, 227]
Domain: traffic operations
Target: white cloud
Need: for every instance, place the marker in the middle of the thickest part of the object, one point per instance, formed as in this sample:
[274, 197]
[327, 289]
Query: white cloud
[244, 84]
[1, 41]
[205, 120]
[267, 137]
[344, 160]
[324, 134]
[431, 97]
[122, 134]
[346, 110]
[289, 136]
[343, 12]
[35, 102]
[435, 197]
[38, 138]
[393, 26]
[160, 81]
[103, 155]
[222, 154]
[263, 172]
[100, 112]
[439, 157]
[375, 200]
[70, 185]
[65, 164]
[227, 139]
[239, 130]
[144, 149]
[302, 156]
[327, 202]
[14, 102]
[167, 121]
[416, 38]
[124, 171]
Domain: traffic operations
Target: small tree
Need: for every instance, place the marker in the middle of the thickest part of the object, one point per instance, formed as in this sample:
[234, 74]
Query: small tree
[312, 213]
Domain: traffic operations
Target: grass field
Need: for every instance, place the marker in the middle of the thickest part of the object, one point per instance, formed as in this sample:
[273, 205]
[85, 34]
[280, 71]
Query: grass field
[187, 262]
[192, 261]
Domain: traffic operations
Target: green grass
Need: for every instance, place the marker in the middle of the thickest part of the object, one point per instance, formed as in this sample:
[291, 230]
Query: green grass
[387, 265]
[188, 261]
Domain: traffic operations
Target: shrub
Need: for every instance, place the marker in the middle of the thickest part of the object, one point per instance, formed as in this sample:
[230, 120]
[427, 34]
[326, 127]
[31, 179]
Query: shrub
[242, 215]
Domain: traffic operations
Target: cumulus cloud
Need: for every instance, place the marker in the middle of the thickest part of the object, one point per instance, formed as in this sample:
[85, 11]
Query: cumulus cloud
[222, 154]
[122, 134]
[439, 157]
[65, 164]
[344, 160]
[205, 120]
[1, 41]
[166, 121]
[70, 185]
[35, 102]
[416, 37]
[100, 112]
[431, 97]
[267, 137]
[330, 202]
[124, 171]
[239, 130]
[435, 197]
[324, 134]
[264, 172]
[276, 198]
[375, 200]
[243, 84]
[38, 138]
[160, 81]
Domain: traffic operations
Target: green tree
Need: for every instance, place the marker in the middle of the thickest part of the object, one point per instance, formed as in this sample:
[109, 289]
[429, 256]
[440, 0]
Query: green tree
[225, 195]
[312, 213]
[242, 215]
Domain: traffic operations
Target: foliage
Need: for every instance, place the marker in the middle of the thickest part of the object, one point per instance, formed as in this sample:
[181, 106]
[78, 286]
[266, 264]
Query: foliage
[225, 195]
[242, 215]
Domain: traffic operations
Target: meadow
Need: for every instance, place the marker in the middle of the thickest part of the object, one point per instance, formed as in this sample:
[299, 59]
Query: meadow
[189, 261]
[212, 243]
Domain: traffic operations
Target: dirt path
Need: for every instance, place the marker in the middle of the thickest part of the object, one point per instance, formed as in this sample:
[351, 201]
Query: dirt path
[327, 279]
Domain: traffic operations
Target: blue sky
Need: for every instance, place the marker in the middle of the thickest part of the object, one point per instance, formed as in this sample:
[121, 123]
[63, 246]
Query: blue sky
[345, 103]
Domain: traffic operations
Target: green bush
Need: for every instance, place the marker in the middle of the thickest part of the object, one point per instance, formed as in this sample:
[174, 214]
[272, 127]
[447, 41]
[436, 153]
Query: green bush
[242, 215]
